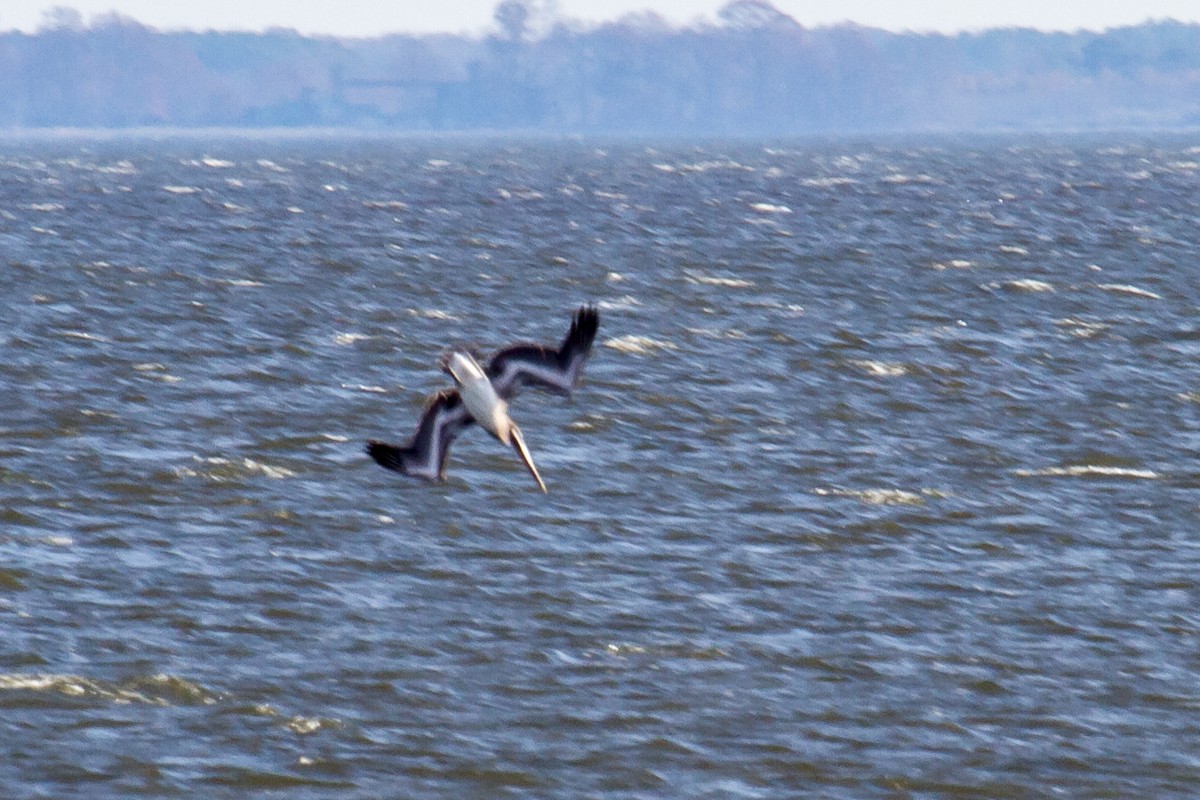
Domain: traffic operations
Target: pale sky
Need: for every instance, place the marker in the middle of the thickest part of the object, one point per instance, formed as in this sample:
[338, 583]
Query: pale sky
[374, 17]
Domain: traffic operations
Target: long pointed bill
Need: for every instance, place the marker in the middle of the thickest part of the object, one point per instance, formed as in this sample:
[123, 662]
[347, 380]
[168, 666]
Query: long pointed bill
[518, 442]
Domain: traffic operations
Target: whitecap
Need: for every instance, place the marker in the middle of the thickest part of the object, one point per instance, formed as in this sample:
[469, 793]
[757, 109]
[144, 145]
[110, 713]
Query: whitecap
[882, 369]
[828, 183]
[706, 166]
[715, 280]
[1125, 288]
[389, 205]
[1029, 285]
[362, 387]
[884, 497]
[770, 208]
[118, 168]
[638, 345]
[182, 189]
[159, 690]
[1082, 329]
[223, 469]
[306, 725]
[346, 339]
[84, 335]
[216, 163]
[620, 304]
[901, 179]
[157, 372]
[431, 313]
[1089, 471]
[269, 470]
[520, 194]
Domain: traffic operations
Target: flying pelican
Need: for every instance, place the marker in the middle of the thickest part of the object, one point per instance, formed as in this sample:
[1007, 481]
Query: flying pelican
[483, 396]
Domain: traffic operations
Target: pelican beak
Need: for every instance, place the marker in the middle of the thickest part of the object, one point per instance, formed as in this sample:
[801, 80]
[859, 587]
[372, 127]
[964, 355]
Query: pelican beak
[518, 443]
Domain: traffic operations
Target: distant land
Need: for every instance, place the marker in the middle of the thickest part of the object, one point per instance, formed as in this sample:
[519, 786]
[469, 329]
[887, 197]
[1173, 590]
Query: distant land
[754, 71]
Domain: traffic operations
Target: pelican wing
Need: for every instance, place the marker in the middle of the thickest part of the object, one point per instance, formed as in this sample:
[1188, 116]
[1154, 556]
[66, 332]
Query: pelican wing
[444, 418]
[546, 367]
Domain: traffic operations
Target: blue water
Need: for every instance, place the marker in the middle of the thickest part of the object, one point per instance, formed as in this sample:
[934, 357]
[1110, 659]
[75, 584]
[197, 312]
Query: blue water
[881, 480]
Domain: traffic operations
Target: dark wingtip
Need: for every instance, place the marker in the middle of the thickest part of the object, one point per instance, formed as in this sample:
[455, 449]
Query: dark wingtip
[584, 326]
[385, 455]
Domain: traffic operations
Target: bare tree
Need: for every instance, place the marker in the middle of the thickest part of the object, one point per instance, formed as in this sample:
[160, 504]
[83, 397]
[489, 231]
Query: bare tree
[513, 18]
[61, 18]
[522, 20]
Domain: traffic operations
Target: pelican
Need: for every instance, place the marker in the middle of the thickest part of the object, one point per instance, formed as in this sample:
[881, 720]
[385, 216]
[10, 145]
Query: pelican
[482, 397]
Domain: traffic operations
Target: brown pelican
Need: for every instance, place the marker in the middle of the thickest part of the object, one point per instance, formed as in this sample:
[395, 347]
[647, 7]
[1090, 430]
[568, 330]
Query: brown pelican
[483, 396]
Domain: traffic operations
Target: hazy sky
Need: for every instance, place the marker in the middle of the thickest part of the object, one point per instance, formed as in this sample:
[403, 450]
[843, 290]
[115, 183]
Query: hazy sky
[372, 17]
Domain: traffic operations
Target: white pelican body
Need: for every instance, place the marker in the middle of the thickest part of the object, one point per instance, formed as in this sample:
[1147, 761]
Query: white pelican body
[478, 394]
[486, 407]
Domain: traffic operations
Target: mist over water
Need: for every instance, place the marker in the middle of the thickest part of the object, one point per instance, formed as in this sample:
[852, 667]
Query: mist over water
[881, 480]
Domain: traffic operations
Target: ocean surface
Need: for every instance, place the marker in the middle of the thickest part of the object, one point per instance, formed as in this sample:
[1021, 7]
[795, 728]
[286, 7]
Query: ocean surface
[882, 480]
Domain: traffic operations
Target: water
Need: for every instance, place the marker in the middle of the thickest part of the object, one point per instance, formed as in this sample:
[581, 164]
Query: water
[882, 480]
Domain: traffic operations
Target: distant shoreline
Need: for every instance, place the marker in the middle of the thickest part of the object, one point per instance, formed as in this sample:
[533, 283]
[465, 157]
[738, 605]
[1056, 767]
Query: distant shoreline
[757, 76]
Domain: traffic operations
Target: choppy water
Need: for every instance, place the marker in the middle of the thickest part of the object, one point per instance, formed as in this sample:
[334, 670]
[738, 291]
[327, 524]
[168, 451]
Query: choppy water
[882, 480]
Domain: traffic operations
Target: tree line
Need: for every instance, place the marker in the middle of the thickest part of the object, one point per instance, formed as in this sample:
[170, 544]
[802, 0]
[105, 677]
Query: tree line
[753, 71]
